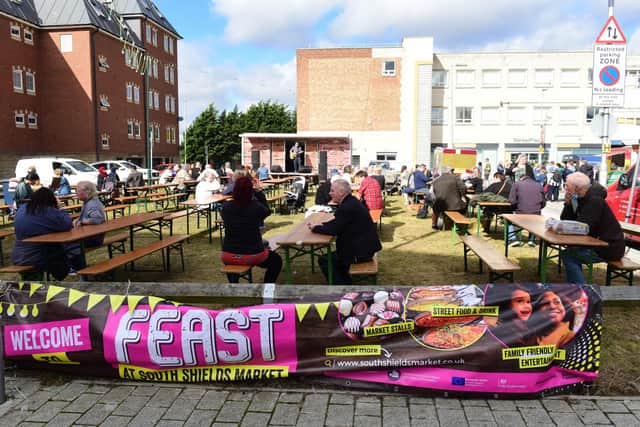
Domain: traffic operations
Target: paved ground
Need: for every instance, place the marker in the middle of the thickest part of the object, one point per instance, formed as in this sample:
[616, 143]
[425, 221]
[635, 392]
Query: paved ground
[119, 403]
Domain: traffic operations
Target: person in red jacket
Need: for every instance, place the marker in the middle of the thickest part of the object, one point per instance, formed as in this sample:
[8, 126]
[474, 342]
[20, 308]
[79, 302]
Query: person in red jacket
[370, 191]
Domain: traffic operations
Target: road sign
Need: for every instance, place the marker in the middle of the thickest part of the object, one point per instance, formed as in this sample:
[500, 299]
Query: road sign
[609, 66]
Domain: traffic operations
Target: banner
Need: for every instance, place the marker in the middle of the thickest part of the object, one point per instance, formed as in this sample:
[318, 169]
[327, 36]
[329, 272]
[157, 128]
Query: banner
[497, 339]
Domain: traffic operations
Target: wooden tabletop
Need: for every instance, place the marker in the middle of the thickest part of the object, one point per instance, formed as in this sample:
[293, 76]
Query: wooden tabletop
[535, 225]
[488, 203]
[5, 233]
[628, 228]
[85, 231]
[151, 187]
[302, 235]
[278, 180]
[215, 198]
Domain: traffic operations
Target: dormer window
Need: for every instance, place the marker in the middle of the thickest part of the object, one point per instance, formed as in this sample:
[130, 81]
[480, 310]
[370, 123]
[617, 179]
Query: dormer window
[32, 120]
[28, 36]
[103, 65]
[15, 32]
[389, 68]
[104, 103]
[19, 119]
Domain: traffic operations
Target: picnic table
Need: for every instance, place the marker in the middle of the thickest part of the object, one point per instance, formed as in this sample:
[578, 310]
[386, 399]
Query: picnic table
[534, 224]
[205, 206]
[486, 204]
[152, 193]
[302, 241]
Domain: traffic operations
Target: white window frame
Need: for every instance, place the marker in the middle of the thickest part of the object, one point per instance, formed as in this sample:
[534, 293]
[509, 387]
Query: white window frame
[388, 72]
[17, 72]
[136, 130]
[156, 101]
[148, 33]
[156, 133]
[66, 43]
[488, 72]
[537, 77]
[32, 120]
[511, 72]
[130, 129]
[461, 80]
[136, 94]
[105, 137]
[485, 119]
[173, 135]
[104, 102]
[154, 37]
[28, 36]
[565, 72]
[519, 120]
[19, 120]
[166, 73]
[464, 120]
[440, 82]
[542, 115]
[103, 65]
[172, 75]
[167, 106]
[154, 68]
[165, 43]
[32, 75]
[439, 121]
[564, 121]
[173, 105]
[15, 32]
[168, 134]
[129, 92]
[171, 41]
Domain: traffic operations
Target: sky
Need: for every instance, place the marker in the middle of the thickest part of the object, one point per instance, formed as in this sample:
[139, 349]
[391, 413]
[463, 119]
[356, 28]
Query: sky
[239, 52]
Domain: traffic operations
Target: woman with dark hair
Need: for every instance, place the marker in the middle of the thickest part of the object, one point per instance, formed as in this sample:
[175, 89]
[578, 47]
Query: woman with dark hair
[41, 216]
[515, 309]
[243, 244]
[554, 311]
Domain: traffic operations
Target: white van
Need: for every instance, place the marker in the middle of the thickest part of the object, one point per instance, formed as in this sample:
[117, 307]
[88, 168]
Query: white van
[75, 170]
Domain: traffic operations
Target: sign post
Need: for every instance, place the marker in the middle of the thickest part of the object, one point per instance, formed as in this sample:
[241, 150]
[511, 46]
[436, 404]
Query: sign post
[609, 69]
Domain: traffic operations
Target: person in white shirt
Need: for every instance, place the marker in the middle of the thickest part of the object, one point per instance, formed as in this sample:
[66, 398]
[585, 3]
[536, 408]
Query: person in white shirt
[207, 186]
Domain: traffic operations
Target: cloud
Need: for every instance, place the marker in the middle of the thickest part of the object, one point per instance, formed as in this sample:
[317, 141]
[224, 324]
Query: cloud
[281, 22]
[227, 84]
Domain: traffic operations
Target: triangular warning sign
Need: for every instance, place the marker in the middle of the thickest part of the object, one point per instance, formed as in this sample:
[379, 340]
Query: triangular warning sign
[611, 33]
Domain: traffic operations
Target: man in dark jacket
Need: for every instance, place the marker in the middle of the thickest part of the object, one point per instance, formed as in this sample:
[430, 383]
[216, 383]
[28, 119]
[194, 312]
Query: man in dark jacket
[526, 197]
[585, 203]
[449, 192]
[357, 240]
[135, 178]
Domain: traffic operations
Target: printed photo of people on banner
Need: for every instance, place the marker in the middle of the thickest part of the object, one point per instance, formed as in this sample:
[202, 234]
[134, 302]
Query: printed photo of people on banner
[491, 339]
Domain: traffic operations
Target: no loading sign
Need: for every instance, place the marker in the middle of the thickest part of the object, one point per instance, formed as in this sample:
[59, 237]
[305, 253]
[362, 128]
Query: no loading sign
[609, 76]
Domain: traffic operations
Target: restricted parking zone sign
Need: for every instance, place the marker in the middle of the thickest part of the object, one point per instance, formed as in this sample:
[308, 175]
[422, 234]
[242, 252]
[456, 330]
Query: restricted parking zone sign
[609, 62]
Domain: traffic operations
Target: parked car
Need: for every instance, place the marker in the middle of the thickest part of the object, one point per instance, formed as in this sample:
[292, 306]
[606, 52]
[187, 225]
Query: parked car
[123, 168]
[162, 166]
[74, 169]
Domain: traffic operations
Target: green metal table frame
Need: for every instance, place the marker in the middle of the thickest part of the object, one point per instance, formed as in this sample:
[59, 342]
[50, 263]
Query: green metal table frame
[313, 250]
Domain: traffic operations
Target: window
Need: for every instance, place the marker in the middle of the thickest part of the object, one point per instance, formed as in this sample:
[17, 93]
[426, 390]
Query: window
[568, 115]
[30, 80]
[105, 140]
[172, 75]
[464, 114]
[438, 116]
[166, 73]
[156, 132]
[465, 78]
[439, 78]
[173, 105]
[489, 115]
[389, 68]
[173, 135]
[17, 80]
[543, 77]
[129, 92]
[491, 78]
[541, 115]
[149, 33]
[569, 77]
[15, 32]
[136, 94]
[517, 78]
[387, 156]
[19, 119]
[516, 115]
[154, 37]
[28, 36]
[165, 44]
[66, 43]
[171, 45]
[633, 78]
[155, 68]
[167, 105]
[168, 135]
[130, 128]
[156, 100]
[591, 113]
[136, 129]
[102, 63]
[104, 102]
[32, 120]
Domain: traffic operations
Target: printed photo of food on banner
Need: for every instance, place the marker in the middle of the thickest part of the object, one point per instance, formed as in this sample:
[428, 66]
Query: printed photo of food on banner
[493, 339]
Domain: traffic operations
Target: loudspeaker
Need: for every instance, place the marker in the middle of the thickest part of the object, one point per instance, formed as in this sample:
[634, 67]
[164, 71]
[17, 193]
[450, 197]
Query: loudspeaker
[255, 159]
[305, 169]
[322, 166]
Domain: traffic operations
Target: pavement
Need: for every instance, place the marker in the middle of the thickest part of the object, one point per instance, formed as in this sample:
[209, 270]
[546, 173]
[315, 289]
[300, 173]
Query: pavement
[36, 401]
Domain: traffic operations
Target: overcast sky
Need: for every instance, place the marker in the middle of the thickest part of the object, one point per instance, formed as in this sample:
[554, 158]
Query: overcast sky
[238, 52]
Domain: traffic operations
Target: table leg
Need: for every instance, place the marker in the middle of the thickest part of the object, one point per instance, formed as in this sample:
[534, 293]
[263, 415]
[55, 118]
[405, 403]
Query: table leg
[187, 219]
[478, 224]
[287, 264]
[209, 222]
[329, 265]
[506, 237]
[543, 261]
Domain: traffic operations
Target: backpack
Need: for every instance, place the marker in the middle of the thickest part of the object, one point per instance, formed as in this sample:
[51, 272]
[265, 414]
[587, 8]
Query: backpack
[557, 176]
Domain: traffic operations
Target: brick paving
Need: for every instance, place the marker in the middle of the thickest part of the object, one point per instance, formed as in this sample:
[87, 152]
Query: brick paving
[33, 401]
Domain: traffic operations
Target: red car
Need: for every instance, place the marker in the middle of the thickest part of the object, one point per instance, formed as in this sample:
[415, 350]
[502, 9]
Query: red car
[162, 166]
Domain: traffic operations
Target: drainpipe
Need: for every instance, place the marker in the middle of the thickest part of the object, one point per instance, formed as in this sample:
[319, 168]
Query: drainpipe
[96, 101]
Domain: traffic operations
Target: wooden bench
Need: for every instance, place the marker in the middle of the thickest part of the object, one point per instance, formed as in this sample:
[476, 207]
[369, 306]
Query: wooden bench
[365, 270]
[162, 199]
[168, 219]
[460, 224]
[500, 267]
[72, 207]
[242, 271]
[114, 243]
[19, 269]
[168, 243]
[124, 199]
[621, 268]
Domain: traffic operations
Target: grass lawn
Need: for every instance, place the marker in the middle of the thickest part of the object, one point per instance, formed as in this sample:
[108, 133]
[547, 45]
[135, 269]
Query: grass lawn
[413, 254]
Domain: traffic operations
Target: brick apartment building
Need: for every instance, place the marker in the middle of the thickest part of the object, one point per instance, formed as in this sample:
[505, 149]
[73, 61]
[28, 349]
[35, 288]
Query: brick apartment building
[74, 84]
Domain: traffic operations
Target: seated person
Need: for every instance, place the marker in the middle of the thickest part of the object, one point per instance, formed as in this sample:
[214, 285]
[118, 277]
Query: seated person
[357, 240]
[322, 193]
[263, 172]
[60, 184]
[135, 178]
[24, 190]
[420, 180]
[370, 192]
[585, 202]
[377, 175]
[206, 187]
[92, 213]
[526, 197]
[497, 191]
[475, 181]
[243, 244]
[41, 216]
[237, 174]
[448, 191]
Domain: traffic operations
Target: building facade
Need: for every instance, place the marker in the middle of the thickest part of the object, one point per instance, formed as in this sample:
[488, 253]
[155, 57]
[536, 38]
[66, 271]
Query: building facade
[74, 82]
[401, 103]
